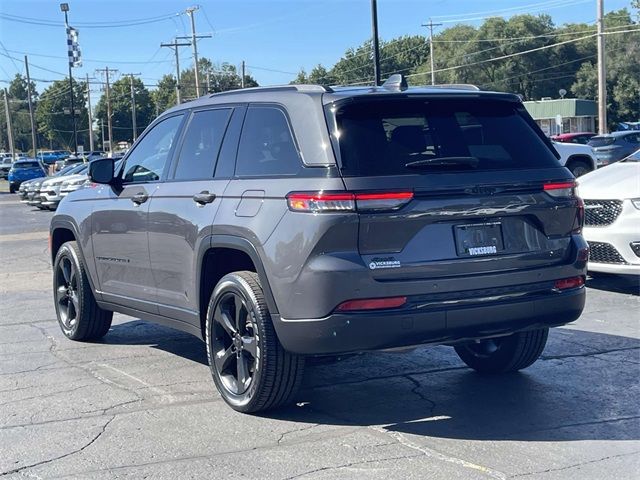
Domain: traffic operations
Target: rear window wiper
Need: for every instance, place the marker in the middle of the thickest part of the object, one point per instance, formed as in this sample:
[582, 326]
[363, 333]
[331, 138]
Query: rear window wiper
[471, 162]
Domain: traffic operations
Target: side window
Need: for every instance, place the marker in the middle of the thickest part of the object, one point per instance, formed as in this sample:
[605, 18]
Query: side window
[266, 144]
[228, 152]
[147, 161]
[197, 159]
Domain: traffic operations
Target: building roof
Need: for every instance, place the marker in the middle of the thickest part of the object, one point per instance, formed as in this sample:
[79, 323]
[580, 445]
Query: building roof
[567, 107]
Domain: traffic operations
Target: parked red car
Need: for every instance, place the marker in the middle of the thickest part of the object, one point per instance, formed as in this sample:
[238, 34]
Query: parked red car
[578, 137]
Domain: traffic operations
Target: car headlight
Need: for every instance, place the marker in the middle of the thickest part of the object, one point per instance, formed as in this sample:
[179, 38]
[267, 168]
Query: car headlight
[636, 202]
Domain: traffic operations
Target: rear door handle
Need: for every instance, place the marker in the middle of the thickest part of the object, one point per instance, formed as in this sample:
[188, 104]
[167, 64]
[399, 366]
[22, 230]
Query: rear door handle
[203, 198]
[139, 198]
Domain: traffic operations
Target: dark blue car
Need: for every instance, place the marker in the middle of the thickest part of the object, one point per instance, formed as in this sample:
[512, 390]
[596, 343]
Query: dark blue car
[50, 157]
[23, 170]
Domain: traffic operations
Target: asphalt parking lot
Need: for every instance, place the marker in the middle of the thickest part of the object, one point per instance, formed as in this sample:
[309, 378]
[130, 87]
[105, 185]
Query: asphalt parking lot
[141, 403]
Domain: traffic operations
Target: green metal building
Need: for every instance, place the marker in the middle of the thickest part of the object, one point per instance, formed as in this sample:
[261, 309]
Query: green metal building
[577, 115]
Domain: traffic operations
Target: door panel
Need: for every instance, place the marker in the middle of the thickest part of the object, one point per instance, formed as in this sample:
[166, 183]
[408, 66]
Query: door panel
[177, 226]
[119, 236]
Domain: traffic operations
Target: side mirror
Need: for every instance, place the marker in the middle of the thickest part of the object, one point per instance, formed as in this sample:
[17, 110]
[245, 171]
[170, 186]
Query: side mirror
[101, 170]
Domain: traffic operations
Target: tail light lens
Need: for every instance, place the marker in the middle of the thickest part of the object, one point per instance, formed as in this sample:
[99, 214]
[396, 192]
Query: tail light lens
[319, 202]
[578, 223]
[567, 283]
[371, 304]
[322, 202]
[560, 189]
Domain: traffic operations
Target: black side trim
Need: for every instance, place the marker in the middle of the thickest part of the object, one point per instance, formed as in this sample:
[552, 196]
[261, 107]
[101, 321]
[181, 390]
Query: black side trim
[244, 245]
[166, 321]
[67, 223]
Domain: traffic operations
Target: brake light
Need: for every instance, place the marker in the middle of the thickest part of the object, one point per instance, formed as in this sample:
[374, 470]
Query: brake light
[371, 304]
[567, 283]
[560, 189]
[318, 202]
[579, 220]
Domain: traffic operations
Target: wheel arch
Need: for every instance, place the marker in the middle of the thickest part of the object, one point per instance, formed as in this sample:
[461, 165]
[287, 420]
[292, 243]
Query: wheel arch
[239, 254]
[64, 230]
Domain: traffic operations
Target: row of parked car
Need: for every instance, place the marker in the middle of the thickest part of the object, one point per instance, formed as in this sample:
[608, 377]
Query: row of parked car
[607, 149]
[46, 192]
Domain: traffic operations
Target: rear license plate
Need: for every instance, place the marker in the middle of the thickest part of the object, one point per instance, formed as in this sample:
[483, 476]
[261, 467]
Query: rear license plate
[479, 239]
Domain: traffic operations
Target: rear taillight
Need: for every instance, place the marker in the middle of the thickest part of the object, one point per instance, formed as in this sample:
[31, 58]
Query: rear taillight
[371, 304]
[578, 223]
[320, 202]
[567, 283]
[560, 189]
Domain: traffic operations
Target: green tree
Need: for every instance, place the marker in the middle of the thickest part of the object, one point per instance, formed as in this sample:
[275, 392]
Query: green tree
[121, 107]
[19, 111]
[54, 118]
[164, 96]
[623, 72]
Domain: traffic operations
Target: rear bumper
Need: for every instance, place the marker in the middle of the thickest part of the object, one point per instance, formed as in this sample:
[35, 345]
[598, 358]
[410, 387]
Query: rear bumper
[435, 324]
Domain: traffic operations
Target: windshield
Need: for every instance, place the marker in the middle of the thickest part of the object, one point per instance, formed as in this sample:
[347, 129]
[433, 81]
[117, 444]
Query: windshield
[409, 136]
[634, 157]
[19, 165]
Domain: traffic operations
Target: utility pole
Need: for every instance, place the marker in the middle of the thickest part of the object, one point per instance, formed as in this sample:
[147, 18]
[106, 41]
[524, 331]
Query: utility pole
[194, 44]
[175, 46]
[65, 8]
[433, 67]
[376, 45]
[31, 117]
[602, 73]
[102, 124]
[91, 146]
[108, 92]
[208, 82]
[9, 127]
[133, 105]
[242, 77]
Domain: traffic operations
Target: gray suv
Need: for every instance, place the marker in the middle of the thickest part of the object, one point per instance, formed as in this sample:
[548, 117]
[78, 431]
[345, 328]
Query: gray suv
[283, 222]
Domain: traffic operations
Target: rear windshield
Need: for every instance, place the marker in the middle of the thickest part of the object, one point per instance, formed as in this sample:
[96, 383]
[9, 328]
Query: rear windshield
[601, 141]
[18, 165]
[409, 136]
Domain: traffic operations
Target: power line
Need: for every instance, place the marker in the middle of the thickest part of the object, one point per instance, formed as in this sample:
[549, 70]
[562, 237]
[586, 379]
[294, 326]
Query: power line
[111, 24]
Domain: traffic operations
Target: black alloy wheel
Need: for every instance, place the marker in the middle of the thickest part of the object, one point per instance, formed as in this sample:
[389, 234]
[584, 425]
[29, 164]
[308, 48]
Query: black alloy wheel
[250, 368]
[66, 291]
[234, 343]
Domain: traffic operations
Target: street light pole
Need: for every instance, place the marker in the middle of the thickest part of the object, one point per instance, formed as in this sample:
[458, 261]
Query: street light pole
[64, 7]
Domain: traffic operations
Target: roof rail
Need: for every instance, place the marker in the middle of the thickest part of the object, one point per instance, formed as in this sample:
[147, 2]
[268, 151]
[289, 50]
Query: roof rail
[459, 86]
[278, 88]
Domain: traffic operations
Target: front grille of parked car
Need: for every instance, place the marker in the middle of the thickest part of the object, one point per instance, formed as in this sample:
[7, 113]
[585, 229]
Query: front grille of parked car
[600, 252]
[599, 213]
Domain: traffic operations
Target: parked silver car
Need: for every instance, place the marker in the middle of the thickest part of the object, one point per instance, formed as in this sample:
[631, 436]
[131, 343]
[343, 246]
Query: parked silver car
[50, 190]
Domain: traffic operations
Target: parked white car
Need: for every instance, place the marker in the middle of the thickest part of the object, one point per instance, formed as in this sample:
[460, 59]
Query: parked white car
[612, 216]
[579, 159]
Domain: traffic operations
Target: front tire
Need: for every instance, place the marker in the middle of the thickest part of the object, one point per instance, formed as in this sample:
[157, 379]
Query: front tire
[79, 316]
[579, 168]
[12, 188]
[504, 354]
[250, 368]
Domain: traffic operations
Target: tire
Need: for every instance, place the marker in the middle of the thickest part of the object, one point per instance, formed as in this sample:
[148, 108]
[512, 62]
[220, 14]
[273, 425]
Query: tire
[79, 316]
[251, 369]
[579, 168]
[504, 354]
[12, 188]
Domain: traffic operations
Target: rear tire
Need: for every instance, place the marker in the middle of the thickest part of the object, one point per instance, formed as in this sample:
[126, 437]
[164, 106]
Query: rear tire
[250, 368]
[504, 354]
[79, 316]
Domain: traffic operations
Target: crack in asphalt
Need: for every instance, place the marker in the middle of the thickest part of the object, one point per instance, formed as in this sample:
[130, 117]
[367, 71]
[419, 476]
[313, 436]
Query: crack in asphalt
[68, 454]
[576, 465]
[351, 464]
[415, 390]
[308, 427]
[429, 452]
